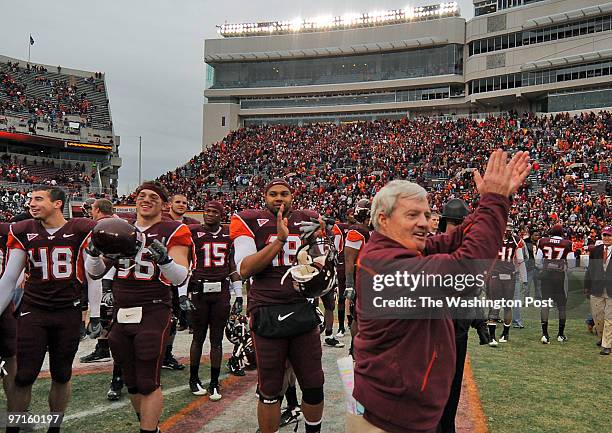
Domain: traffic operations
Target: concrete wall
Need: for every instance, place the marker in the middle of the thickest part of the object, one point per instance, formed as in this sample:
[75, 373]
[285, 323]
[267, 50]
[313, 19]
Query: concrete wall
[213, 115]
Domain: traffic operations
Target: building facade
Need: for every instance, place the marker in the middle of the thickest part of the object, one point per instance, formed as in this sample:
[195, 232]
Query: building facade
[536, 55]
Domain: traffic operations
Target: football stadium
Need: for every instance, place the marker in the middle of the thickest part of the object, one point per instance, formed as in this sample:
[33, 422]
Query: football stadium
[396, 221]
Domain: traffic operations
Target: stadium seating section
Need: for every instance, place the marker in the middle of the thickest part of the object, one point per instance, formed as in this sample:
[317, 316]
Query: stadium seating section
[46, 101]
[332, 166]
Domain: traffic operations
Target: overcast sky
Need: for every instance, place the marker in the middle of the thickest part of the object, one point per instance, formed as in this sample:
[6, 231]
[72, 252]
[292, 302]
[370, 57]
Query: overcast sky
[152, 54]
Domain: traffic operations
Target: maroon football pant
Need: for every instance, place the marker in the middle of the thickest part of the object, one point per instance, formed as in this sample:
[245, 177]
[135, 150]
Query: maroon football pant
[138, 348]
[303, 352]
[500, 290]
[212, 311]
[8, 333]
[39, 330]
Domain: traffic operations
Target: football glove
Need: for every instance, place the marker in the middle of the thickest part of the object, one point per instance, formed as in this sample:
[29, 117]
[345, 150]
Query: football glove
[185, 303]
[159, 253]
[107, 299]
[238, 303]
[92, 250]
[94, 328]
[349, 293]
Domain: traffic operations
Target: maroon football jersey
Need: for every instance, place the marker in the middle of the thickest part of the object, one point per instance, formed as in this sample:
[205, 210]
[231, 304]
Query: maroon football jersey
[55, 261]
[340, 232]
[358, 233]
[260, 225]
[4, 232]
[507, 255]
[212, 253]
[139, 281]
[555, 252]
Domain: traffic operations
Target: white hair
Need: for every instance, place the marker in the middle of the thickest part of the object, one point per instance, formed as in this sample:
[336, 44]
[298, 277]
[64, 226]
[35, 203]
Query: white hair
[385, 200]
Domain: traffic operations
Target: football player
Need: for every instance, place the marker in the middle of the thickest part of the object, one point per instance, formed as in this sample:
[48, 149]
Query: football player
[49, 313]
[177, 206]
[502, 282]
[340, 231]
[555, 255]
[98, 210]
[330, 299]
[209, 290]
[8, 331]
[266, 243]
[142, 296]
[357, 236]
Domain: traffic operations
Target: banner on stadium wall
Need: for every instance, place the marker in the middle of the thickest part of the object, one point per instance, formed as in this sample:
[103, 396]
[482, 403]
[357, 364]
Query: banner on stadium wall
[76, 211]
[52, 142]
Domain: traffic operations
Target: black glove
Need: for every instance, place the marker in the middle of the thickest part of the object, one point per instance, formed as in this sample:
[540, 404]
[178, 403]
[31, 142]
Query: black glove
[94, 328]
[238, 303]
[185, 303]
[92, 250]
[3, 371]
[159, 253]
[349, 293]
[107, 299]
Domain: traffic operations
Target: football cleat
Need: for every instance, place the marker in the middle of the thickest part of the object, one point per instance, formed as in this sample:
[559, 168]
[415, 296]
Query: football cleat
[114, 392]
[290, 416]
[213, 392]
[493, 343]
[170, 363]
[332, 342]
[196, 387]
[545, 339]
[504, 338]
[561, 338]
[98, 355]
[518, 325]
[340, 334]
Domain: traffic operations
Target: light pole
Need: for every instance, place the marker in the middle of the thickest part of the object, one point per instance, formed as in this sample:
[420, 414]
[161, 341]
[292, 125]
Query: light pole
[139, 159]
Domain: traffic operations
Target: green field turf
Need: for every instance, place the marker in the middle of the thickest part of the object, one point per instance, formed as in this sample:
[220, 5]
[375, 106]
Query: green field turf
[526, 386]
[89, 393]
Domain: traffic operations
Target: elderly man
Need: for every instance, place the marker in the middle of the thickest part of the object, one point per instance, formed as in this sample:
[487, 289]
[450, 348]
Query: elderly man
[404, 368]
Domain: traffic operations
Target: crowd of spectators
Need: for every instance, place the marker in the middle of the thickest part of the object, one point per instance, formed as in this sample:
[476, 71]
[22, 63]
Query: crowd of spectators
[332, 166]
[53, 99]
[42, 172]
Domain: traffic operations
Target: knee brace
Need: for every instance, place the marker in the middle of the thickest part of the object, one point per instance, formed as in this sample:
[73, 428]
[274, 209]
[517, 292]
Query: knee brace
[313, 396]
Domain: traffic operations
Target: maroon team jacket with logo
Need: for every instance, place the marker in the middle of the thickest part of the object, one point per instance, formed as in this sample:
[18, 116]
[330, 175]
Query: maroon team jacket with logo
[404, 368]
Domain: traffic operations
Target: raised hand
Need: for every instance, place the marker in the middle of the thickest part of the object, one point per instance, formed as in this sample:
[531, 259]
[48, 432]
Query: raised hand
[503, 177]
[282, 225]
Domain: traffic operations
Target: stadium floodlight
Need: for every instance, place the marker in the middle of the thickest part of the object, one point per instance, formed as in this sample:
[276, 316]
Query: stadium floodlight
[341, 22]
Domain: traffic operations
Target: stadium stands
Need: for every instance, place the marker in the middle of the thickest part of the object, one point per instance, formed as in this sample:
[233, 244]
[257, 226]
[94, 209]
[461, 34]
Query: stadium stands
[332, 166]
[47, 101]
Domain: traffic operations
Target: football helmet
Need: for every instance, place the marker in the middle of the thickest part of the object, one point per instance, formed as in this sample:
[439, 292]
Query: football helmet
[314, 270]
[237, 332]
[456, 210]
[362, 210]
[117, 239]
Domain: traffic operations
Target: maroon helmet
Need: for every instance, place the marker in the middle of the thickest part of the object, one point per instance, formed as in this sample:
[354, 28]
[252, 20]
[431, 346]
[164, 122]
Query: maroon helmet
[362, 210]
[116, 238]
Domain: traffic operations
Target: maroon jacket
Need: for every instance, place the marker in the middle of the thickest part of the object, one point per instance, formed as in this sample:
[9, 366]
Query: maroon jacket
[404, 368]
